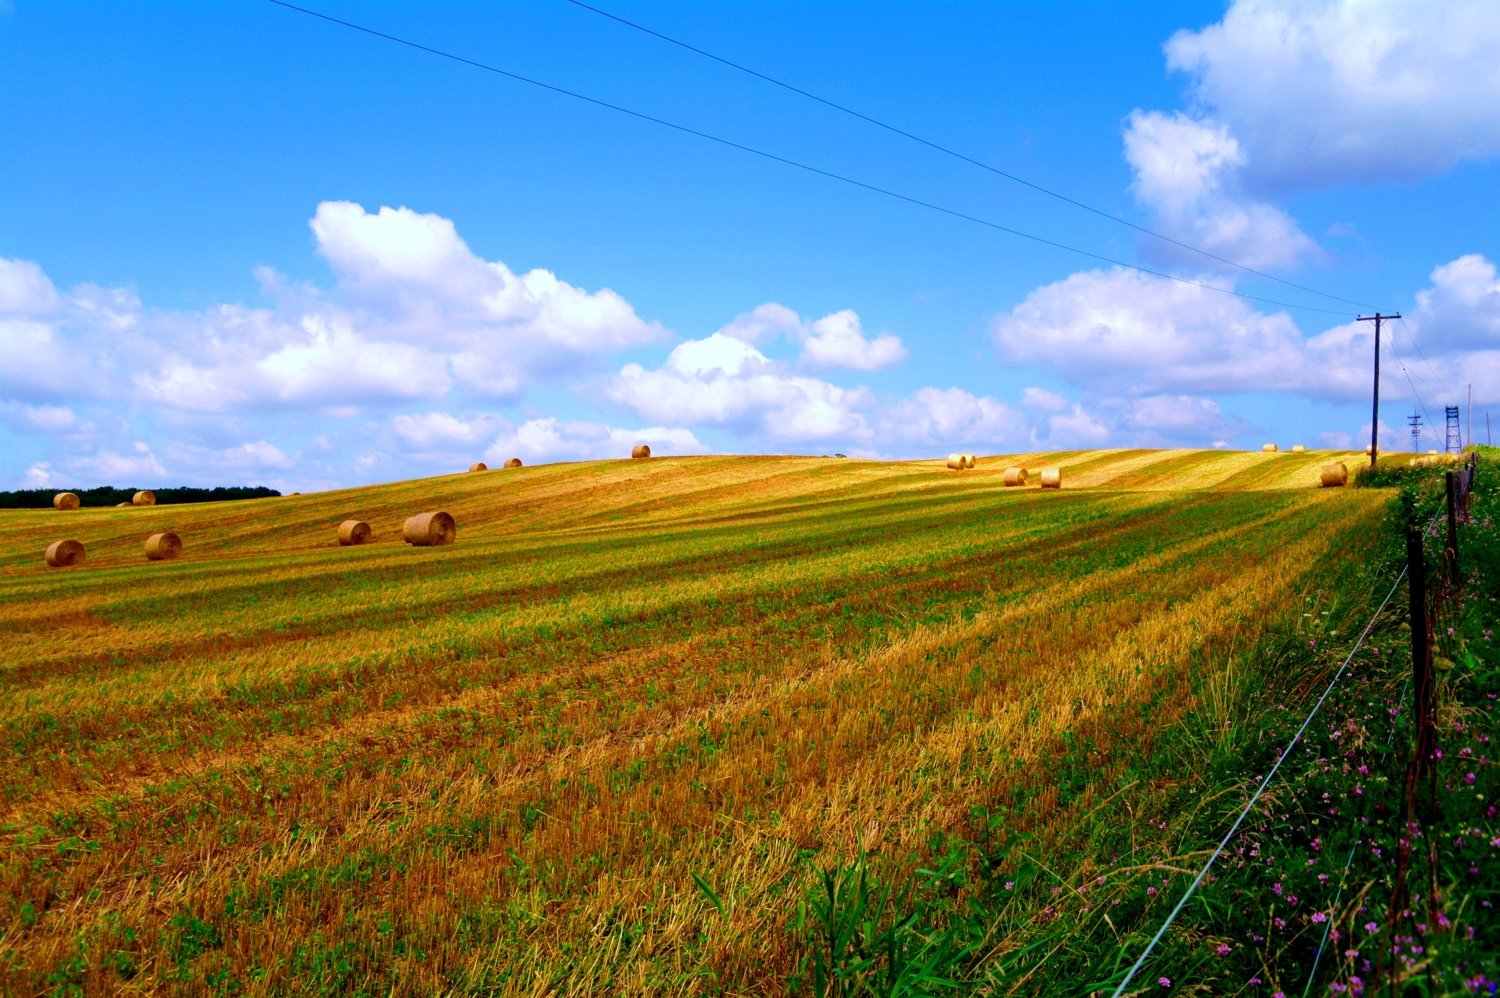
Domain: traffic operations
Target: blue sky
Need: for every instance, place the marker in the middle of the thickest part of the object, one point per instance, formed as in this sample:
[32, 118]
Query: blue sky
[241, 245]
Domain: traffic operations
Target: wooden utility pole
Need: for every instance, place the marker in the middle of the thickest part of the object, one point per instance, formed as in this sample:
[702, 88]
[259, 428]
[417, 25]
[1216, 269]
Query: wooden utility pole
[1375, 407]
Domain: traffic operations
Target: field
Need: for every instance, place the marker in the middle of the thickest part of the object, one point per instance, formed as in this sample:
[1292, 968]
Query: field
[603, 743]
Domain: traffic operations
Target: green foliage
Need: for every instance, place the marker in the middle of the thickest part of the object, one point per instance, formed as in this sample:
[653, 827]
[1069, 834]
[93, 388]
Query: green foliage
[108, 495]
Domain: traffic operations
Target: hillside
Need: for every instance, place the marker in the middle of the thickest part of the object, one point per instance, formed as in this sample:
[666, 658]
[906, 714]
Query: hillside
[594, 744]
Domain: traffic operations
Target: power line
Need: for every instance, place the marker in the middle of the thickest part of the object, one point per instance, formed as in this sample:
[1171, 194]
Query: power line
[1416, 394]
[1412, 337]
[1264, 783]
[798, 165]
[960, 156]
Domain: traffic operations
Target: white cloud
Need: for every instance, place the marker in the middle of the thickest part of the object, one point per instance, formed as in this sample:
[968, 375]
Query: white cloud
[712, 381]
[1178, 416]
[550, 439]
[25, 289]
[439, 428]
[1041, 398]
[39, 476]
[838, 341]
[938, 419]
[1075, 428]
[764, 322]
[111, 466]
[1124, 333]
[1187, 172]
[414, 315]
[255, 455]
[1340, 90]
[48, 419]
[718, 354]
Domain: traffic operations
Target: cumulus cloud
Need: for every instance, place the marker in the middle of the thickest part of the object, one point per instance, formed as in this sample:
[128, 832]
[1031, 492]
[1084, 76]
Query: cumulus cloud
[414, 314]
[935, 419]
[836, 341]
[25, 289]
[1187, 172]
[1349, 89]
[1121, 332]
[551, 439]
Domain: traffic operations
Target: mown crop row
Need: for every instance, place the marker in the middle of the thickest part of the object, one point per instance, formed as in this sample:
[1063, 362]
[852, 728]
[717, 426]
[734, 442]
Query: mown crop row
[593, 745]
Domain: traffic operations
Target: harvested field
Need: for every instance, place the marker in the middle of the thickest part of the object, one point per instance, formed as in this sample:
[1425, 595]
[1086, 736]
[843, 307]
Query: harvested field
[501, 765]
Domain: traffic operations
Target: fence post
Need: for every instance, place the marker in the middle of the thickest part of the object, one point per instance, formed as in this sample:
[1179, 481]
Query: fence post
[1421, 651]
[1450, 551]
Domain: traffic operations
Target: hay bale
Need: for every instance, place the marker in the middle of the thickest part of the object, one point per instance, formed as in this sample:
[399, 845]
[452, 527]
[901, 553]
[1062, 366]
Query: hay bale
[640, 450]
[65, 500]
[1269, 448]
[1334, 475]
[1432, 453]
[957, 462]
[144, 497]
[513, 462]
[163, 546]
[425, 530]
[479, 466]
[970, 461]
[1015, 476]
[1298, 449]
[1051, 478]
[1370, 448]
[124, 505]
[355, 532]
[61, 554]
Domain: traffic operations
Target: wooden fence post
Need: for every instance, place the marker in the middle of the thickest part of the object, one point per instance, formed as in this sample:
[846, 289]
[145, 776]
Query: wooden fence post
[1421, 652]
[1450, 551]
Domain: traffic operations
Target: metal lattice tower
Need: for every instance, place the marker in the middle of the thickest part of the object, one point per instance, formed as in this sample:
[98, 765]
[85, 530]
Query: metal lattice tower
[1415, 421]
[1455, 440]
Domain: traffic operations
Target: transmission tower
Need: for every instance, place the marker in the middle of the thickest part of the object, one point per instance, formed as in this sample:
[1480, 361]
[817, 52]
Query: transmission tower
[1455, 441]
[1415, 419]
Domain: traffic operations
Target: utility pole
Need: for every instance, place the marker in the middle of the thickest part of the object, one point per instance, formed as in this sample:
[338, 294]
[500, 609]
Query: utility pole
[1415, 420]
[1375, 405]
[1455, 442]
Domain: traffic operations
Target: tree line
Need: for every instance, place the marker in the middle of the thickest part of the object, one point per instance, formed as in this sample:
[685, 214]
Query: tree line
[108, 495]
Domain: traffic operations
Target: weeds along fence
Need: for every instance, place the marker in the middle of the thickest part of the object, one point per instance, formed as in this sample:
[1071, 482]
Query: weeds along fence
[1434, 589]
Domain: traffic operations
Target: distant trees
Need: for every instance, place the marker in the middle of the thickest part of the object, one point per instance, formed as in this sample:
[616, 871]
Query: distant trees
[108, 495]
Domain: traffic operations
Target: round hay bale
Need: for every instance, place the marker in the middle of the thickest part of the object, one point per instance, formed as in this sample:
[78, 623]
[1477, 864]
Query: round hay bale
[513, 462]
[640, 450]
[1269, 448]
[355, 532]
[970, 461]
[426, 530]
[479, 466]
[956, 462]
[1298, 449]
[124, 505]
[144, 497]
[61, 554]
[65, 500]
[1432, 453]
[1051, 478]
[1370, 448]
[1334, 475]
[163, 546]
[1015, 476]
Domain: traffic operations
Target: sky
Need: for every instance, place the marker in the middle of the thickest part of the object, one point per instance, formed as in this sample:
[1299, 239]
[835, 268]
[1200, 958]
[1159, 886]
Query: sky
[244, 245]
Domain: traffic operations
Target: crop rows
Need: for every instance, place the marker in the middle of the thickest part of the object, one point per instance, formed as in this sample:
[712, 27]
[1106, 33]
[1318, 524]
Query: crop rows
[502, 765]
